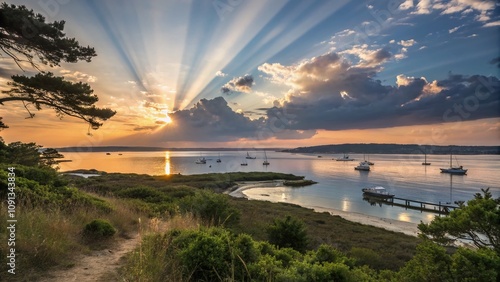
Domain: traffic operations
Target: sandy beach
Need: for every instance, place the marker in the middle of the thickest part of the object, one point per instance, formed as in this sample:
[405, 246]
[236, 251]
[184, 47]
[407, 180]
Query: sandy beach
[407, 228]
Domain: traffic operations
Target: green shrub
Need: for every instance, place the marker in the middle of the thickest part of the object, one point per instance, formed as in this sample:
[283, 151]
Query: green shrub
[204, 254]
[214, 209]
[145, 193]
[288, 233]
[99, 228]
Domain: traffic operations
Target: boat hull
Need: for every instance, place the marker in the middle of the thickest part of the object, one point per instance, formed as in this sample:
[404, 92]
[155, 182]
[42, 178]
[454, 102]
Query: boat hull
[454, 171]
[362, 168]
[377, 192]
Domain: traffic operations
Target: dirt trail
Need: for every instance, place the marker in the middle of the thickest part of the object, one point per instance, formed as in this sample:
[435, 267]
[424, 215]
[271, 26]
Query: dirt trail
[98, 266]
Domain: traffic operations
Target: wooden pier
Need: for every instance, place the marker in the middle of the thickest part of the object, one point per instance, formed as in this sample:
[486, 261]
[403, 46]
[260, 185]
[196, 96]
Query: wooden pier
[439, 208]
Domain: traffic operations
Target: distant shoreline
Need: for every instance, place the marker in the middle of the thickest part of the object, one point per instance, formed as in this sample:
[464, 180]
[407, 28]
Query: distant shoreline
[323, 149]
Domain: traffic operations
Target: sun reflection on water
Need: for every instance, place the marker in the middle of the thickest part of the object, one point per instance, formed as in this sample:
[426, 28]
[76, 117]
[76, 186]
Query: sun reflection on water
[404, 217]
[167, 163]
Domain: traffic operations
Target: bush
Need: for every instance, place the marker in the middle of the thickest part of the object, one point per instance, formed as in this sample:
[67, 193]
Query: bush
[288, 233]
[214, 209]
[145, 193]
[205, 255]
[99, 228]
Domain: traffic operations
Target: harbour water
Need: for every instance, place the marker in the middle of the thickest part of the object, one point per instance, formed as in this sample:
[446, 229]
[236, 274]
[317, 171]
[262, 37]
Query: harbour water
[339, 185]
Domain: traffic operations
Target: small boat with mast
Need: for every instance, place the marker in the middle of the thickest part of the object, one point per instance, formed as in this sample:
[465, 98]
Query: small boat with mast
[454, 170]
[425, 160]
[250, 157]
[265, 159]
[219, 160]
[345, 158]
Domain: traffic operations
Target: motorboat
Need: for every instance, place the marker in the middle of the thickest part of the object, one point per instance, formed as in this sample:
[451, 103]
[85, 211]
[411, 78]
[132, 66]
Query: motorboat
[377, 191]
[364, 165]
[201, 161]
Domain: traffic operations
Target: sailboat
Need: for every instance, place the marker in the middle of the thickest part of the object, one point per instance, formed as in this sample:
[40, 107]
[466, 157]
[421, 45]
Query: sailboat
[425, 160]
[368, 161]
[249, 157]
[244, 163]
[265, 160]
[454, 170]
[345, 158]
[201, 160]
[219, 160]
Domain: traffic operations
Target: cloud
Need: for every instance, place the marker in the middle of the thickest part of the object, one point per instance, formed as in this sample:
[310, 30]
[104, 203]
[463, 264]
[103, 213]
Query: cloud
[483, 8]
[407, 43]
[220, 73]
[495, 61]
[212, 120]
[239, 84]
[367, 57]
[491, 24]
[455, 29]
[332, 93]
[407, 4]
[77, 76]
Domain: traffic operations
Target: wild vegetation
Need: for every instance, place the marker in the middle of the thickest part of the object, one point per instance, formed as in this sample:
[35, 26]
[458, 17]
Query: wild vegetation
[210, 236]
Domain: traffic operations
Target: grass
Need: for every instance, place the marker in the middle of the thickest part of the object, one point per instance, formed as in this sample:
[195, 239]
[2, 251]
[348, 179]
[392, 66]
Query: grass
[151, 260]
[54, 210]
[393, 249]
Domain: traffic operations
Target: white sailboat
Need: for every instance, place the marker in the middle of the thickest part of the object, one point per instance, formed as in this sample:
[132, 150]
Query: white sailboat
[454, 170]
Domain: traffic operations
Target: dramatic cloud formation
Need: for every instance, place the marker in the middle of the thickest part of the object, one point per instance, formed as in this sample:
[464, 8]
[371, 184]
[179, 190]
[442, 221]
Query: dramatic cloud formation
[238, 84]
[213, 120]
[328, 92]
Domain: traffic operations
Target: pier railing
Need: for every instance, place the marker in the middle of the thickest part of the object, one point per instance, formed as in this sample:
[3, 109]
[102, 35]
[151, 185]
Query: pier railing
[439, 208]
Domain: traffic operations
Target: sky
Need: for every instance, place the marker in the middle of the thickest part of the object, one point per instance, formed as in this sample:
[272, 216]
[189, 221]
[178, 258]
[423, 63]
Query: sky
[240, 73]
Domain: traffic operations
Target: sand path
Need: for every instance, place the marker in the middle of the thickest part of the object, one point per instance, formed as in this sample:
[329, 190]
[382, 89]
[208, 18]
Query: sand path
[100, 265]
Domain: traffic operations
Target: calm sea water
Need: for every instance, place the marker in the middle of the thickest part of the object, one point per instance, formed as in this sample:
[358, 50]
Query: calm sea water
[339, 184]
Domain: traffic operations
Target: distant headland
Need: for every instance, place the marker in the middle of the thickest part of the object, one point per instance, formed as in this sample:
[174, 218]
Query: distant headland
[397, 149]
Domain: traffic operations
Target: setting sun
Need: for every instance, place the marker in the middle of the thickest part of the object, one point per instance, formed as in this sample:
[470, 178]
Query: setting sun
[166, 119]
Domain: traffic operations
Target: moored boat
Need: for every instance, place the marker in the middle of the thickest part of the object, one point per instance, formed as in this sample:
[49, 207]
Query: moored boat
[454, 170]
[365, 166]
[345, 158]
[250, 157]
[201, 161]
[265, 159]
[377, 191]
